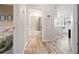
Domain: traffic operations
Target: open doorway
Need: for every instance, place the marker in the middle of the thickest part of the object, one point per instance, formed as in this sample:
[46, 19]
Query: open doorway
[57, 29]
[45, 29]
[35, 27]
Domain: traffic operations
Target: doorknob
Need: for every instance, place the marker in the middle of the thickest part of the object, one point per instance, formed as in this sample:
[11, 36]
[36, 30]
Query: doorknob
[13, 28]
[78, 23]
[77, 44]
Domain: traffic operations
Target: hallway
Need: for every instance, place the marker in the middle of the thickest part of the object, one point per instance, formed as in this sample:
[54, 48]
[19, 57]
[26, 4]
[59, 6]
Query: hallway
[45, 29]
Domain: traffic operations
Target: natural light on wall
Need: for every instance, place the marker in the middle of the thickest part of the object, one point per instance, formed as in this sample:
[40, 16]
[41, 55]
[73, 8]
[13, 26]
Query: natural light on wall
[35, 12]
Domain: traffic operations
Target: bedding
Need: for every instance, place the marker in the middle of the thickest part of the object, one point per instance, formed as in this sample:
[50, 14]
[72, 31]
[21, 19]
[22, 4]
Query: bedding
[6, 43]
[5, 29]
[6, 39]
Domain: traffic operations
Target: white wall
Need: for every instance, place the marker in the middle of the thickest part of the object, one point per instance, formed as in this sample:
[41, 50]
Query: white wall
[20, 15]
[48, 24]
[64, 9]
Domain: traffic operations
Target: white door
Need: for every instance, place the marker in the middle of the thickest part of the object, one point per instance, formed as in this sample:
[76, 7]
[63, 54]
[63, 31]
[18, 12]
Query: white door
[20, 17]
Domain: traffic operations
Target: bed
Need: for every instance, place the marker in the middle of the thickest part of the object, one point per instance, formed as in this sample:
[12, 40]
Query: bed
[6, 39]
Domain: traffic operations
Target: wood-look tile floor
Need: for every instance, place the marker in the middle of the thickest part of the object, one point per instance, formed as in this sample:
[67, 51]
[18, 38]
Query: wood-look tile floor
[36, 46]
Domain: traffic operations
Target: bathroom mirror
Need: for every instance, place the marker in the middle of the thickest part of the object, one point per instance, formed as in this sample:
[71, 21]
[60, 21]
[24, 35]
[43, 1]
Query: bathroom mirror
[63, 23]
